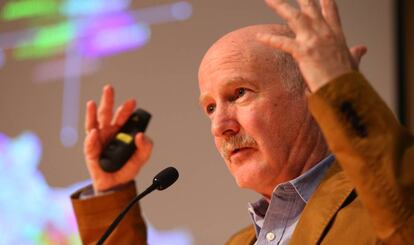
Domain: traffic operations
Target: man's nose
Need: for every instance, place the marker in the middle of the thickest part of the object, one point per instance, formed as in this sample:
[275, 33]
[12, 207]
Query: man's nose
[224, 122]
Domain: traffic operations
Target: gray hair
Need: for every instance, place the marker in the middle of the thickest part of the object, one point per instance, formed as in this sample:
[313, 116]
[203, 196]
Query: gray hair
[289, 72]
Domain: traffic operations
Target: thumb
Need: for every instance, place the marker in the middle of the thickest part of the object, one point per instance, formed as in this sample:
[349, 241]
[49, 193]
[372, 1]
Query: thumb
[357, 52]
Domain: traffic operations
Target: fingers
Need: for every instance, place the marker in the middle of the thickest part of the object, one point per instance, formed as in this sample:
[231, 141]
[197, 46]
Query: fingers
[283, 43]
[144, 146]
[298, 19]
[283, 8]
[319, 46]
[286, 11]
[92, 146]
[357, 52]
[91, 121]
[123, 112]
[310, 7]
[331, 15]
[310, 16]
[105, 107]
[92, 150]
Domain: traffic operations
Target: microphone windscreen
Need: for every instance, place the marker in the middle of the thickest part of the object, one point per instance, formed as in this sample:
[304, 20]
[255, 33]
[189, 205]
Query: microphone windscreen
[165, 178]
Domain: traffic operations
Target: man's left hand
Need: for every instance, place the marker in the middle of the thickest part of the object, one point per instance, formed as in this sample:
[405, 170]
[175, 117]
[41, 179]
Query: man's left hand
[319, 46]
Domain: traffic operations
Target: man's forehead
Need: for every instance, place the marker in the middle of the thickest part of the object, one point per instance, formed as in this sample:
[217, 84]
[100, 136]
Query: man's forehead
[241, 45]
[247, 35]
[235, 57]
[234, 44]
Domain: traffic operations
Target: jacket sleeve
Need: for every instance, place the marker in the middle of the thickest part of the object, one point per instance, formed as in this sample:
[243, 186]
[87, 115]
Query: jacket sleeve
[95, 214]
[374, 150]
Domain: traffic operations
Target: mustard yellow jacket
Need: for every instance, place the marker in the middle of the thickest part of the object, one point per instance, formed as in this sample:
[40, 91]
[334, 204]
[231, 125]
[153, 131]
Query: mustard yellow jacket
[366, 197]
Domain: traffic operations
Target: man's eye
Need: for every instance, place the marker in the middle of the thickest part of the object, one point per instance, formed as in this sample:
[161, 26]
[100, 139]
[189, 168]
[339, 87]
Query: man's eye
[240, 92]
[210, 108]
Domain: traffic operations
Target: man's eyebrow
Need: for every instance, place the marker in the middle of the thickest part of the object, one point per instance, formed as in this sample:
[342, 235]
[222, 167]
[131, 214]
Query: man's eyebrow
[241, 81]
[229, 82]
[202, 98]
[237, 80]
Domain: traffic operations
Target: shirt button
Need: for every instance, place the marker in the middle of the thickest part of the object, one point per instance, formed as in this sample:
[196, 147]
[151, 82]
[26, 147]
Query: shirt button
[270, 236]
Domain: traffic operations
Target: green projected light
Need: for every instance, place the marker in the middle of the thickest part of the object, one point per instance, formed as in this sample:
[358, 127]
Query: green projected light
[29, 8]
[79, 30]
[47, 40]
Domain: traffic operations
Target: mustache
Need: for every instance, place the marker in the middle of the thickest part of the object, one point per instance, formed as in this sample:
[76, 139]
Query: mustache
[234, 142]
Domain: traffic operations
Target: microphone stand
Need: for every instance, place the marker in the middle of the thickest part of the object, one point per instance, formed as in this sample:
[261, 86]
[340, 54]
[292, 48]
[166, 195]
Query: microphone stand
[161, 181]
[123, 213]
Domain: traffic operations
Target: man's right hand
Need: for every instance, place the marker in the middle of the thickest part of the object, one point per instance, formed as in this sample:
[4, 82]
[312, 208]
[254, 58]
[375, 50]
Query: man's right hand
[101, 125]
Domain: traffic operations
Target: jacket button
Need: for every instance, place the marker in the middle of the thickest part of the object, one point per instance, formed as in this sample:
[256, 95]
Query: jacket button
[270, 236]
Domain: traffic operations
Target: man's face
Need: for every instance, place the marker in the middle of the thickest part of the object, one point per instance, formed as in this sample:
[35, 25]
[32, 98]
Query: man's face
[254, 120]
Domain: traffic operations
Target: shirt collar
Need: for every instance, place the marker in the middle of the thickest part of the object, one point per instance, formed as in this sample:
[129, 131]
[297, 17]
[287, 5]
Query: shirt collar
[304, 185]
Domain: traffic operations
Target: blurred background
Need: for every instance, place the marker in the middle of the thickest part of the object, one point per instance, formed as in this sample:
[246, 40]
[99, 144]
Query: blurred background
[55, 55]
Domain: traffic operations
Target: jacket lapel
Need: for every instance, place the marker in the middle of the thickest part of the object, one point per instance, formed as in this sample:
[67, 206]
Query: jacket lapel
[322, 206]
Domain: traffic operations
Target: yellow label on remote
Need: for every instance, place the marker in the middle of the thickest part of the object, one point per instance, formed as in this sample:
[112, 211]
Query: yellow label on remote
[126, 138]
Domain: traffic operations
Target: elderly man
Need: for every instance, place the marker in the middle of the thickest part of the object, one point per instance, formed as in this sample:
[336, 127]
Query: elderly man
[354, 187]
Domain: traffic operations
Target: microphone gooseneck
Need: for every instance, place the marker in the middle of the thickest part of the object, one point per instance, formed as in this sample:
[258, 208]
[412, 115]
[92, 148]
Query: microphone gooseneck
[161, 181]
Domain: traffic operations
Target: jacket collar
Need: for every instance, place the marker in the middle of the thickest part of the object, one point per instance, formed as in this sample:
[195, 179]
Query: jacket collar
[328, 198]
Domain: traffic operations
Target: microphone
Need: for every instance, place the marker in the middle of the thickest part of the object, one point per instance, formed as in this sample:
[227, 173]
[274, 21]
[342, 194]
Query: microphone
[161, 181]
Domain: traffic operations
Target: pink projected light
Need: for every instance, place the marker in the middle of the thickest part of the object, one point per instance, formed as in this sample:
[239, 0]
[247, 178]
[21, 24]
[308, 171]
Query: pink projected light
[78, 8]
[1, 58]
[111, 34]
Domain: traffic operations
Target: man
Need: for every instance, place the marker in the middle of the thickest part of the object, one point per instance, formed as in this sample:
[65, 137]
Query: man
[261, 119]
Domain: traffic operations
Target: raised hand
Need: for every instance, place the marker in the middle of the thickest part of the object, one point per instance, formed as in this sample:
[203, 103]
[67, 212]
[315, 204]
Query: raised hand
[319, 46]
[101, 125]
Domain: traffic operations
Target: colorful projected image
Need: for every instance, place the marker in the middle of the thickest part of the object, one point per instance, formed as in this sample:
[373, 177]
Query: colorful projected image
[67, 39]
[84, 31]
[32, 212]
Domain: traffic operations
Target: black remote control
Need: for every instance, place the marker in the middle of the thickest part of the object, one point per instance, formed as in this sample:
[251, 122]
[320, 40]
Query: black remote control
[117, 152]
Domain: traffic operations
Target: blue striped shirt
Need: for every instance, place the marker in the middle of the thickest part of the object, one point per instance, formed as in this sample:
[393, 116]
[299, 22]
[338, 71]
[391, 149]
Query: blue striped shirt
[276, 221]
